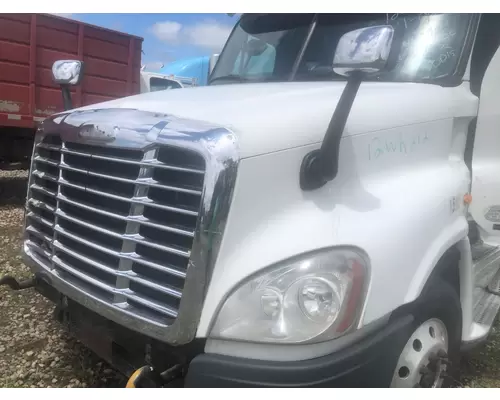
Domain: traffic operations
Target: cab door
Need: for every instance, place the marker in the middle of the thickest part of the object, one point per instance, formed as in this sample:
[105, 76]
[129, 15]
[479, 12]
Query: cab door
[485, 187]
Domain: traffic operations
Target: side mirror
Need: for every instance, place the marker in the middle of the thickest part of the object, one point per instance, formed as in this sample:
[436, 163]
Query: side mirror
[359, 53]
[364, 50]
[256, 47]
[67, 73]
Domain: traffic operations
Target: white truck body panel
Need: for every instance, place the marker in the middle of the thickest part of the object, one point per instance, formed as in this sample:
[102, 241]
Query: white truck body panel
[271, 117]
[392, 164]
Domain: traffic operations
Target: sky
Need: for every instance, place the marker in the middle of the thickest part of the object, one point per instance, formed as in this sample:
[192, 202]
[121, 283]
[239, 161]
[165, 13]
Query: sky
[168, 37]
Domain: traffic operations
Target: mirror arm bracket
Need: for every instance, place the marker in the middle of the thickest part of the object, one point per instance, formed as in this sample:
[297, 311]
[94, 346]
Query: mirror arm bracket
[66, 96]
[321, 166]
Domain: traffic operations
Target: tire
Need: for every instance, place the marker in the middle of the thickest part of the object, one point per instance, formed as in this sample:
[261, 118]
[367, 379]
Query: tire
[437, 314]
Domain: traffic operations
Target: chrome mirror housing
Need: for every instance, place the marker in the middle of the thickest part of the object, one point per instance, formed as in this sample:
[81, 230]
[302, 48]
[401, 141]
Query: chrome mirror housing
[363, 50]
[67, 72]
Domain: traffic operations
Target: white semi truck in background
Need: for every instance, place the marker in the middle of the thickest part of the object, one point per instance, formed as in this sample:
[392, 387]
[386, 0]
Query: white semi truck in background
[154, 81]
[192, 71]
[184, 73]
[326, 212]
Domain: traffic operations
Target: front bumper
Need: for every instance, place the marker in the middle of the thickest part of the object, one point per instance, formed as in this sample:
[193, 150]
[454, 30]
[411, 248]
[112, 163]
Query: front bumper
[368, 363]
[123, 348]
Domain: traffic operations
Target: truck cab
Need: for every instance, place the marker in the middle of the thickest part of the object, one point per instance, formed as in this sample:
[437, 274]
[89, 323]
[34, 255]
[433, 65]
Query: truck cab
[179, 74]
[152, 82]
[325, 212]
[194, 71]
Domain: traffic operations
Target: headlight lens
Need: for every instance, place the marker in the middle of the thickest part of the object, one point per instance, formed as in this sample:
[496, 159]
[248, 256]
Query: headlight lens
[311, 298]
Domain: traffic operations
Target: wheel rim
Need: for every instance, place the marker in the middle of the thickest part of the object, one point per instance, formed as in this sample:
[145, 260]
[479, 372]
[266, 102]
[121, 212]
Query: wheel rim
[424, 359]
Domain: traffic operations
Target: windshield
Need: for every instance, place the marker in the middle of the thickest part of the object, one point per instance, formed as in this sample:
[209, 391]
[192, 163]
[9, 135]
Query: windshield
[265, 47]
[156, 84]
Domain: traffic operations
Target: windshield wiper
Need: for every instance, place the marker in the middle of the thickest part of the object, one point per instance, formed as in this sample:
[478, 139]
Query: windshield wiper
[231, 77]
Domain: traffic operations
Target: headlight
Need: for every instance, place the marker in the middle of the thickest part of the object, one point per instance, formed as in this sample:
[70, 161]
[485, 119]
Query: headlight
[312, 298]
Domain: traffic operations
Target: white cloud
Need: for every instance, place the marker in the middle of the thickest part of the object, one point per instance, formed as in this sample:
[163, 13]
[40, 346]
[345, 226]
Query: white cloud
[167, 31]
[208, 34]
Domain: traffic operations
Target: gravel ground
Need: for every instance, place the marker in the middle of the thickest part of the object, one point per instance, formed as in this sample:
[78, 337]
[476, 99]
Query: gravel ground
[35, 351]
[481, 368]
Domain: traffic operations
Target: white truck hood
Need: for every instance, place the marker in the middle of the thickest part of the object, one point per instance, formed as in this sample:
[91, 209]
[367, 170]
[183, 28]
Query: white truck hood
[268, 117]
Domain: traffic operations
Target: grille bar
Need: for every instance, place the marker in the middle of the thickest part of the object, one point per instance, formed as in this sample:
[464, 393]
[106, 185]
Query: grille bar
[48, 146]
[39, 234]
[146, 182]
[139, 218]
[41, 204]
[127, 294]
[39, 219]
[138, 200]
[38, 249]
[43, 190]
[131, 237]
[118, 223]
[46, 161]
[127, 274]
[128, 256]
[44, 175]
[143, 163]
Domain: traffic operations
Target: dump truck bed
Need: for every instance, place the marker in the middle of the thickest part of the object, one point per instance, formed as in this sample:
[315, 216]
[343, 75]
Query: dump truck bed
[30, 43]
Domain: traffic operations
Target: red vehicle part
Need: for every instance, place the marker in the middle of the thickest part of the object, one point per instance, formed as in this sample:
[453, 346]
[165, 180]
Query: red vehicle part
[29, 45]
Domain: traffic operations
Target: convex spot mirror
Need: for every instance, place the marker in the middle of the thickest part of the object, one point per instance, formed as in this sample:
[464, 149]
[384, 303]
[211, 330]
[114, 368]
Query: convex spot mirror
[67, 72]
[255, 47]
[364, 50]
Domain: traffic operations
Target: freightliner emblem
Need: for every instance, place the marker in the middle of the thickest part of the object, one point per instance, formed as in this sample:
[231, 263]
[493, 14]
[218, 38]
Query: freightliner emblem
[98, 133]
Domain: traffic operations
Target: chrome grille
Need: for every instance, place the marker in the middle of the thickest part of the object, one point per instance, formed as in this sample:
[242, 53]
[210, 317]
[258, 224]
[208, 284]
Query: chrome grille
[117, 223]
